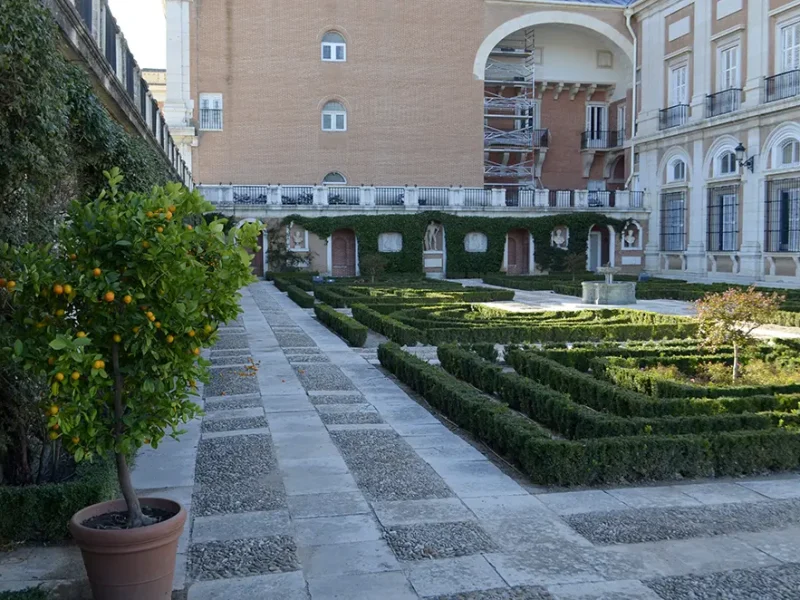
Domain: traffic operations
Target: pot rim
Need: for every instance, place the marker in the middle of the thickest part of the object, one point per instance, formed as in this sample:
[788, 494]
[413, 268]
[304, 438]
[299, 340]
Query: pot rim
[127, 537]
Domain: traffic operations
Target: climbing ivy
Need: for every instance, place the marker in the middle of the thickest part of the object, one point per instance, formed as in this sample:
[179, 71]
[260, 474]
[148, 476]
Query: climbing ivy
[460, 262]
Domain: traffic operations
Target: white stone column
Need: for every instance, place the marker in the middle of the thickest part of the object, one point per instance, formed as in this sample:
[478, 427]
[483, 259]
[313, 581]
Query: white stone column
[649, 181]
[696, 213]
[652, 45]
[179, 105]
[757, 57]
[701, 50]
[753, 212]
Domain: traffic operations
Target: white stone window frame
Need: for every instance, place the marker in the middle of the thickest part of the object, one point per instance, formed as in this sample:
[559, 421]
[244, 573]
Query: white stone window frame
[605, 59]
[717, 171]
[791, 20]
[672, 97]
[779, 152]
[289, 246]
[670, 178]
[334, 116]
[733, 44]
[333, 49]
[211, 97]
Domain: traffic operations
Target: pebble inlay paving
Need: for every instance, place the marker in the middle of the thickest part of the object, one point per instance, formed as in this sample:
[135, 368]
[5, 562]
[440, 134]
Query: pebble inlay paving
[232, 341]
[386, 467]
[242, 558]
[233, 424]
[233, 380]
[438, 540]
[322, 399]
[350, 418]
[241, 359]
[655, 524]
[324, 377]
[768, 583]
[515, 593]
[294, 340]
[307, 358]
[234, 402]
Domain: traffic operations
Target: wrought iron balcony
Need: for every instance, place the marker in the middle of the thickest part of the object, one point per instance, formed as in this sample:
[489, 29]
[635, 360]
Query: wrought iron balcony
[723, 102]
[602, 139]
[525, 137]
[211, 119]
[674, 116]
[782, 85]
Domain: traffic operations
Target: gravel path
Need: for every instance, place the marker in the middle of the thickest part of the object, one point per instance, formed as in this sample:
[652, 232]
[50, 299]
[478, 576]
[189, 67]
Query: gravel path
[769, 583]
[438, 540]
[243, 558]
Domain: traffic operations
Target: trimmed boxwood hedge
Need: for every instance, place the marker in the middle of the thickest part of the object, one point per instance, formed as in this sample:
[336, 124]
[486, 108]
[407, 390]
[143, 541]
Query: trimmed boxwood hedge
[300, 297]
[558, 411]
[351, 330]
[594, 461]
[41, 512]
[385, 325]
[607, 397]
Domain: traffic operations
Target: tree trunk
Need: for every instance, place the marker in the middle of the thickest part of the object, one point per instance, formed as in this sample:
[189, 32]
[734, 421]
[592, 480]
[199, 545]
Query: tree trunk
[735, 361]
[136, 517]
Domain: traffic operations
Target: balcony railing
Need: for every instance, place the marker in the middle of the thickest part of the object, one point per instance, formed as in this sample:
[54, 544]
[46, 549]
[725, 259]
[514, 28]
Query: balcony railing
[211, 119]
[782, 85]
[602, 139]
[724, 102]
[405, 198]
[674, 116]
[525, 137]
[500, 70]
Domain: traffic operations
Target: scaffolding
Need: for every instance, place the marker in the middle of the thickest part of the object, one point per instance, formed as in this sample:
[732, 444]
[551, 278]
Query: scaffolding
[512, 136]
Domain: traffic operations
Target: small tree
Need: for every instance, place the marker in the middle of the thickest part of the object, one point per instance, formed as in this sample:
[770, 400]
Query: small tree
[575, 263]
[373, 266]
[115, 319]
[731, 317]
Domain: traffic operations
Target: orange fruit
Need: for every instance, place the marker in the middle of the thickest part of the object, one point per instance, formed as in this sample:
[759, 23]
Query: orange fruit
[53, 435]
[58, 289]
[53, 410]
[191, 333]
[117, 338]
[157, 324]
[51, 361]
[2, 282]
[160, 229]
[59, 377]
[145, 244]
[40, 324]
[76, 439]
[73, 256]
[196, 351]
[97, 272]
[147, 441]
[68, 289]
[80, 334]
[152, 317]
[172, 208]
[168, 215]
[208, 328]
[127, 299]
[136, 329]
[11, 285]
[55, 427]
[150, 214]
[170, 339]
[98, 364]
[60, 312]
[189, 227]
[109, 297]
[75, 376]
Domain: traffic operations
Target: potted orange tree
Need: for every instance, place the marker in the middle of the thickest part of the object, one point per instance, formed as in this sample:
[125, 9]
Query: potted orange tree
[115, 317]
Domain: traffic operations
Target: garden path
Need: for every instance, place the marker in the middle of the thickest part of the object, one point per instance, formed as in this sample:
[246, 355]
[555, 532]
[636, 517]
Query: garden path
[320, 478]
[525, 300]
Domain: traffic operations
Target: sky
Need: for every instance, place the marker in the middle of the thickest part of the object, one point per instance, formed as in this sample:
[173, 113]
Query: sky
[143, 24]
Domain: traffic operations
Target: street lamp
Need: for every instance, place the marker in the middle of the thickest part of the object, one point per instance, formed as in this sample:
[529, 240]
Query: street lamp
[749, 163]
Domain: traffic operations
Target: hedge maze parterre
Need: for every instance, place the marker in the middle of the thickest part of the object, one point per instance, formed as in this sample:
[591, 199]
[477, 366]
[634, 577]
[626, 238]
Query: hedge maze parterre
[576, 402]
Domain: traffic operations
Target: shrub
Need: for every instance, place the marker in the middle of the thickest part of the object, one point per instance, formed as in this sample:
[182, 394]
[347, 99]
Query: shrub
[41, 512]
[373, 266]
[385, 325]
[328, 295]
[122, 310]
[29, 594]
[594, 461]
[351, 330]
[301, 298]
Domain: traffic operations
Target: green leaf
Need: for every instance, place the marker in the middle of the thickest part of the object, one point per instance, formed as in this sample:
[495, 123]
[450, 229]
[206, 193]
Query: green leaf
[123, 243]
[79, 455]
[18, 347]
[58, 344]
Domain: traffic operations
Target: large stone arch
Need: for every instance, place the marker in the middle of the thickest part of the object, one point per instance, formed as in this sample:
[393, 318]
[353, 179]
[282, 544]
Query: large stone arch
[783, 132]
[543, 18]
[722, 143]
[674, 152]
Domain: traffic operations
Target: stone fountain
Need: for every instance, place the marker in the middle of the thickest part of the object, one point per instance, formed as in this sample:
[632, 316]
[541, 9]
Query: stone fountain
[608, 291]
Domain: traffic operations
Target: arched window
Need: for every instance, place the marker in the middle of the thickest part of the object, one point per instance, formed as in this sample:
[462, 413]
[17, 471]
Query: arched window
[334, 178]
[334, 48]
[789, 153]
[676, 171]
[727, 163]
[334, 117]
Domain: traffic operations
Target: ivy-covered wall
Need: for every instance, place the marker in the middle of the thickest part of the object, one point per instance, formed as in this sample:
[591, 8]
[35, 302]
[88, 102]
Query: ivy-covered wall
[460, 262]
[56, 138]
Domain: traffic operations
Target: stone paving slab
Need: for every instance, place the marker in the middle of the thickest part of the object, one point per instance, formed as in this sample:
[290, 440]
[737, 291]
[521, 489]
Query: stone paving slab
[453, 575]
[601, 590]
[390, 585]
[286, 586]
[515, 593]
[329, 504]
[352, 558]
[241, 526]
[411, 512]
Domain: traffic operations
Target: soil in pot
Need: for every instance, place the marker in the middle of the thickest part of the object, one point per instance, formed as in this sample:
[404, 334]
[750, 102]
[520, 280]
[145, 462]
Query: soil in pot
[119, 519]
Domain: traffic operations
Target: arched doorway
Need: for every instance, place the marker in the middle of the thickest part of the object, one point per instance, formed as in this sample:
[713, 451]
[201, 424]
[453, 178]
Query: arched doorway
[600, 247]
[519, 252]
[343, 253]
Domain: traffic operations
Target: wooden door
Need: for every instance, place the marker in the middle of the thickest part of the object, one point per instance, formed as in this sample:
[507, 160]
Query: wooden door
[343, 253]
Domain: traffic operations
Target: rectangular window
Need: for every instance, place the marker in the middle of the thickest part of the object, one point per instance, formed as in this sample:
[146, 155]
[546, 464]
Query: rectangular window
[596, 126]
[334, 52]
[678, 88]
[723, 219]
[621, 123]
[673, 221]
[729, 68]
[790, 47]
[783, 216]
[211, 112]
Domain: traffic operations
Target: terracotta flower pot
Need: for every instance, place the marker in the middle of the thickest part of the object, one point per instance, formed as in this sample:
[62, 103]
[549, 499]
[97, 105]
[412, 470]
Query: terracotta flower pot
[129, 564]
